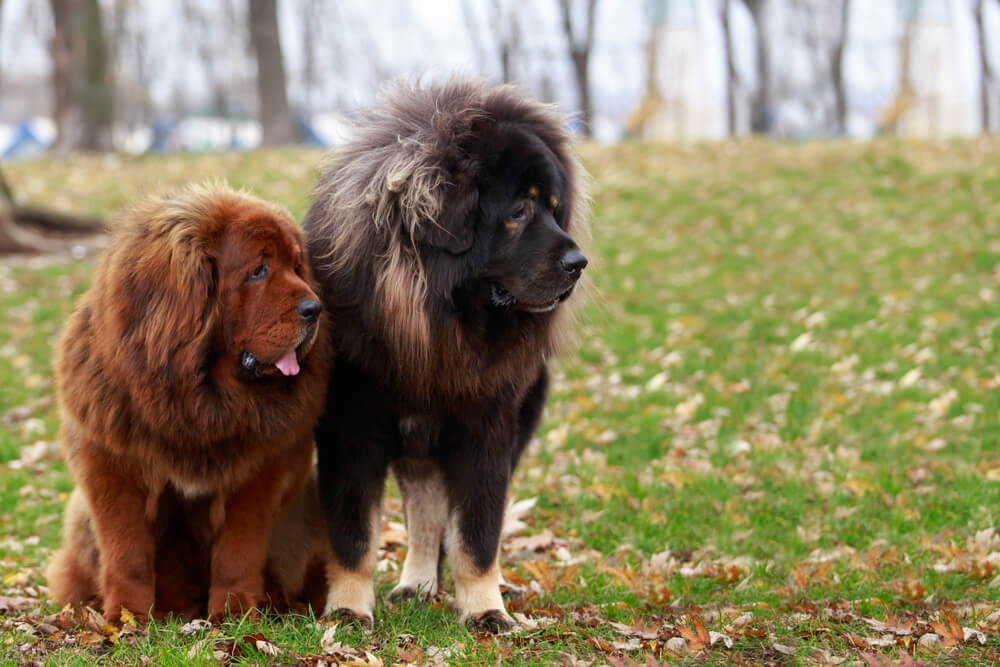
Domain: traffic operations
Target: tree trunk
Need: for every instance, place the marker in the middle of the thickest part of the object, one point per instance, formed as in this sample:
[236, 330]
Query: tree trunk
[579, 53]
[80, 77]
[276, 122]
[837, 67]
[760, 114]
[23, 229]
[581, 67]
[985, 76]
[1, 69]
[727, 42]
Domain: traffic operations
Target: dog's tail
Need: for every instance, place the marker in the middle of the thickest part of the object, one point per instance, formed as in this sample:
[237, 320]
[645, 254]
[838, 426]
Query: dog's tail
[73, 571]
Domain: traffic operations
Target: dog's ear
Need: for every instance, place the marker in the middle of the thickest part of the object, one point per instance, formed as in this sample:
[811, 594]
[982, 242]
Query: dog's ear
[413, 193]
[454, 230]
[164, 279]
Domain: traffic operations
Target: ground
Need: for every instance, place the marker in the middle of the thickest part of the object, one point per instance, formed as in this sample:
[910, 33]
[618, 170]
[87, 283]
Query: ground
[774, 437]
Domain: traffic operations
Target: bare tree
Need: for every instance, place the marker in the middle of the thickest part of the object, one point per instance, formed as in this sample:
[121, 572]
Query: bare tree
[80, 77]
[1, 25]
[727, 43]
[837, 66]
[133, 63]
[310, 13]
[904, 100]
[276, 122]
[760, 111]
[985, 75]
[504, 28]
[505, 17]
[580, 48]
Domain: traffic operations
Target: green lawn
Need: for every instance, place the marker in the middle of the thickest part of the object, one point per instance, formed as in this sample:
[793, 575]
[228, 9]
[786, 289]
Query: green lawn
[778, 421]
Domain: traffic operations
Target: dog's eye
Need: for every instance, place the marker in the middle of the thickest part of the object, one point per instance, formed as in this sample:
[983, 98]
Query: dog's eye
[520, 213]
[259, 272]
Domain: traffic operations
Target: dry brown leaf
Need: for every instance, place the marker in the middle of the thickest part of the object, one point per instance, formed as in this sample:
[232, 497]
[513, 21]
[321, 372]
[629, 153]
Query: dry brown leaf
[950, 631]
[891, 624]
[539, 542]
[392, 533]
[635, 631]
[806, 573]
[630, 578]
[697, 636]
[542, 572]
[90, 638]
[877, 660]
[410, 655]
[783, 648]
[15, 603]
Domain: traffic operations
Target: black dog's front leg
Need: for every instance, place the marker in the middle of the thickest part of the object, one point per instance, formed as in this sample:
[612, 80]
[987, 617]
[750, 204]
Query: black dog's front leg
[352, 469]
[477, 473]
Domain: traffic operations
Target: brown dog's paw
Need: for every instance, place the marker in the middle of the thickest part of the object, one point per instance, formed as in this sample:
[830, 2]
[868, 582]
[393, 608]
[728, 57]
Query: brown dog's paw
[120, 612]
[495, 621]
[121, 615]
[344, 615]
[224, 604]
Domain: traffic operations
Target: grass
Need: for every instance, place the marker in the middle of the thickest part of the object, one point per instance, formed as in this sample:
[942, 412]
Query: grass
[779, 418]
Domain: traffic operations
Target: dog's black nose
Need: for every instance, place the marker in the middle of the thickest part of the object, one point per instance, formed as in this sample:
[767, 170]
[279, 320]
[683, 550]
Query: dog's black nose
[573, 262]
[309, 309]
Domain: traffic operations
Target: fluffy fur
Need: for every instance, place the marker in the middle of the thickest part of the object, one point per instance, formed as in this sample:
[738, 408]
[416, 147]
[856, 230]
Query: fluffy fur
[187, 418]
[443, 239]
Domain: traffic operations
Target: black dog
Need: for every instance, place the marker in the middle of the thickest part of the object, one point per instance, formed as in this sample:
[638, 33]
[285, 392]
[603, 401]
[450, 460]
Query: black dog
[441, 238]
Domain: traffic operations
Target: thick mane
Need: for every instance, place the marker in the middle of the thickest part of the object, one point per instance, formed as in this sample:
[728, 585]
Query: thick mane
[144, 339]
[380, 197]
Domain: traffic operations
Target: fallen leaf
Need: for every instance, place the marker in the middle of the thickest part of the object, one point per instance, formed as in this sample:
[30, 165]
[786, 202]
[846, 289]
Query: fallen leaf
[677, 645]
[884, 640]
[635, 631]
[262, 644]
[197, 625]
[15, 603]
[950, 631]
[392, 533]
[512, 517]
[697, 636]
[128, 618]
[969, 632]
[891, 624]
[538, 542]
[718, 636]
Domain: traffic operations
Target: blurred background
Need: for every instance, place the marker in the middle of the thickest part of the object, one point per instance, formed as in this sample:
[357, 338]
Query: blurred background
[147, 75]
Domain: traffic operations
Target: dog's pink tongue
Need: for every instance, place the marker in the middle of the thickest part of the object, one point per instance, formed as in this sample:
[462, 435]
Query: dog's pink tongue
[288, 364]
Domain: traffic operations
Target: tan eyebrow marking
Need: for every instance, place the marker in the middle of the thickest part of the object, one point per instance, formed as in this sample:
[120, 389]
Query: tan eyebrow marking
[533, 191]
[553, 202]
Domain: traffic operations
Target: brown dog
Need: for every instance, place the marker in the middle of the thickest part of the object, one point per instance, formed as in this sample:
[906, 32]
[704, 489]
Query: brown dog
[190, 378]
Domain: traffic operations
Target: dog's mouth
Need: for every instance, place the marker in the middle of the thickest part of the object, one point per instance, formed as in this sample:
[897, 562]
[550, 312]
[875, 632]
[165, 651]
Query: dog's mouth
[252, 366]
[501, 297]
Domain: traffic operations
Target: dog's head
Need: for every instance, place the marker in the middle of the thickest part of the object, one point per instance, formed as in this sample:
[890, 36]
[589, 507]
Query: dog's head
[269, 312]
[521, 219]
[451, 197]
[214, 281]
[483, 184]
